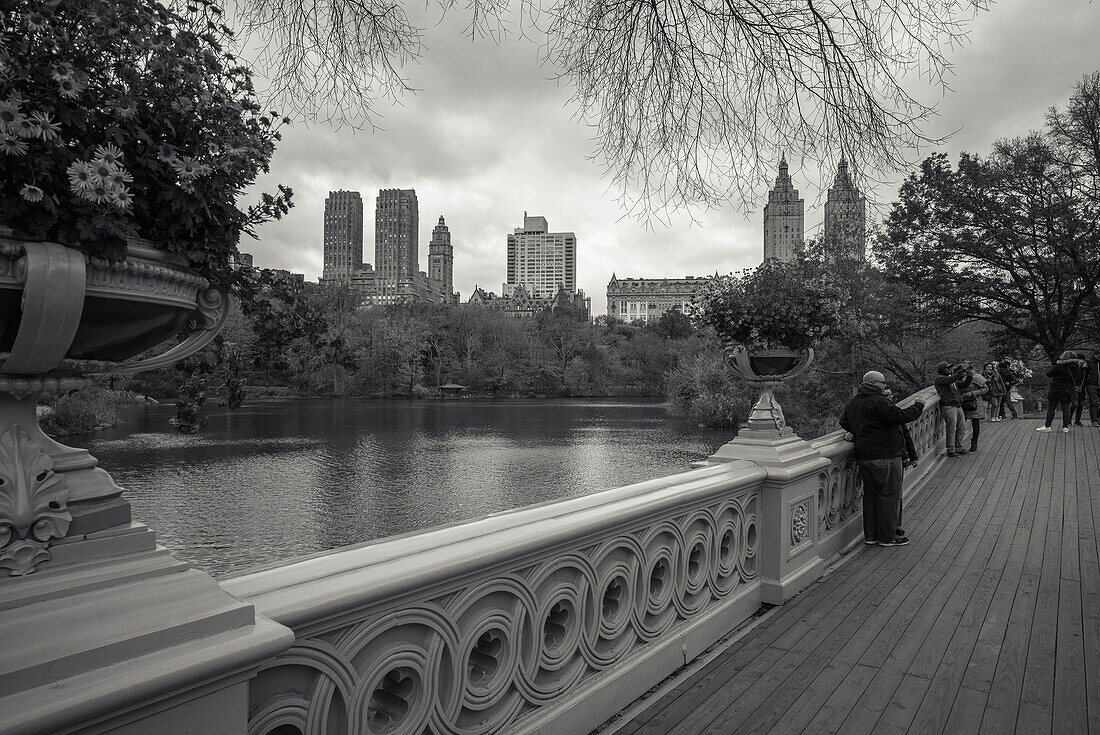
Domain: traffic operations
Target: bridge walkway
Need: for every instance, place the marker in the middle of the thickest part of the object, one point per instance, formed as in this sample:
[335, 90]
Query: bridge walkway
[988, 622]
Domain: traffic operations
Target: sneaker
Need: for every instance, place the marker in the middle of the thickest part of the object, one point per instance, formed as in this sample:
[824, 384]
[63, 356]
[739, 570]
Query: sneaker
[1044, 428]
[952, 453]
[870, 542]
[1065, 429]
[1077, 423]
[898, 541]
[907, 464]
[973, 449]
[960, 450]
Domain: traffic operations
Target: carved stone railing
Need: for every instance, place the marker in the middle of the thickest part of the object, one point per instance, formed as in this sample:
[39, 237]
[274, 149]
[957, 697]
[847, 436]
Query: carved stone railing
[512, 622]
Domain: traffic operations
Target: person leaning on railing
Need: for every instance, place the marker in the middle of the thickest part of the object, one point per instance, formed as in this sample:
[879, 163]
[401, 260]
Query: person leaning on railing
[874, 423]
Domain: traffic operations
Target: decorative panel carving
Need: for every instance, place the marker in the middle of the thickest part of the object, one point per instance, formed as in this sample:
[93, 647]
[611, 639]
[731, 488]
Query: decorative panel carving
[800, 524]
[839, 494]
[477, 657]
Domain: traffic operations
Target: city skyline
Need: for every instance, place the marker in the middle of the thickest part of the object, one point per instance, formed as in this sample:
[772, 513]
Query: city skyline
[490, 136]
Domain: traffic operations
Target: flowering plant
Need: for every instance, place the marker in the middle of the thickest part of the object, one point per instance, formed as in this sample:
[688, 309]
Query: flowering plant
[777, 304]
[1019, 368]
[125, 119]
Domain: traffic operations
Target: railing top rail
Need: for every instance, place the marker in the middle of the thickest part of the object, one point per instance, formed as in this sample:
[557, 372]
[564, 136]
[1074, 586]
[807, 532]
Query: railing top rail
[316, 587]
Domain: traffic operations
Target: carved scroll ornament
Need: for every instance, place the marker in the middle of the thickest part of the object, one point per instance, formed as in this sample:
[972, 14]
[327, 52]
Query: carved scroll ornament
[32, 503]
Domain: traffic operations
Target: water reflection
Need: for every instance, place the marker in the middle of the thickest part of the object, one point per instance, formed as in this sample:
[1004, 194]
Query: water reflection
[285, 478]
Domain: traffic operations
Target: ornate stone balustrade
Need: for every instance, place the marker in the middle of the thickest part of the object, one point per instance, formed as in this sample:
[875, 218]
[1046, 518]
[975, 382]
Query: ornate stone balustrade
[551, 618]
[510, 623]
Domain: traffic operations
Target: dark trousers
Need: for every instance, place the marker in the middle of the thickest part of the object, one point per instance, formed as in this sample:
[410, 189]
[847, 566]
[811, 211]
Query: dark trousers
[881, 497]
[976, 429]
[1093, 392]
[1065, 402]
[1005, 403]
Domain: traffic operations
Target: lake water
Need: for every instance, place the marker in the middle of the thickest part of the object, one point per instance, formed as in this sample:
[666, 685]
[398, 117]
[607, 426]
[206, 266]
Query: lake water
[279, 479]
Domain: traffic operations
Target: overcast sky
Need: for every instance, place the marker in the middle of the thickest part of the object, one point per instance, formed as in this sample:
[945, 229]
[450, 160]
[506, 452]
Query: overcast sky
[489, 136]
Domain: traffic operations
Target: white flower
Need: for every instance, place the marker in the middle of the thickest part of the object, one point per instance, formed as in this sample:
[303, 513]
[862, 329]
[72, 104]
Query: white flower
[31, 193]
[10, 119]
[71, 88]
[121, 197]
[102, 171]
[24, 127]
[109, 153]
[187, 169]
[47, 128]
[97, 192]
[120, 178]
[36, 22]
[80, 176]
[12, 146]
[61, 72]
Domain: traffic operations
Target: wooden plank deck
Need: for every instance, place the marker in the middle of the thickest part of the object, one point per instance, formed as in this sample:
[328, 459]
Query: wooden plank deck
[988, 622]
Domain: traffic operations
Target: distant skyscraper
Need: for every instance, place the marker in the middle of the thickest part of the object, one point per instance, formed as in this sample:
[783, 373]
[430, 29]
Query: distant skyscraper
[845, 217]
[784, 218]
[441, 264]
[343, 236]
[396, 243]
[542, 261]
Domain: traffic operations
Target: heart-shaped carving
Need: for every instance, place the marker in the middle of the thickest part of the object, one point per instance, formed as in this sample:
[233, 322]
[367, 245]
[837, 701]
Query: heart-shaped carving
[657, 578]
[612, 598]
[727, 546]
[390, 701]
[485, 657]
[695, 561]
[556, 621]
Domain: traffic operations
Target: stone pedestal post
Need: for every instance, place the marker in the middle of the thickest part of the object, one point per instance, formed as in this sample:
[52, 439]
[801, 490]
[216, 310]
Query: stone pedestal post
[788, 508]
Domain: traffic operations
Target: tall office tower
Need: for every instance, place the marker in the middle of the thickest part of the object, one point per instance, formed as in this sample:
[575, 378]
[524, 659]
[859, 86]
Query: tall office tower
[441, 259]
[396, 241]
[784, 218]
[343, 236]
[845, 217]
[542, 261]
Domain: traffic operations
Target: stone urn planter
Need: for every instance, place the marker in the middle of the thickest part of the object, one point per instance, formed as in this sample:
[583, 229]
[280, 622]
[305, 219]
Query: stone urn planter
[769, 367]
[63, 317]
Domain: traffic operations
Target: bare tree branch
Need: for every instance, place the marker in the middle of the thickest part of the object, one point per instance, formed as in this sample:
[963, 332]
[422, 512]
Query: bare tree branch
[690, 100]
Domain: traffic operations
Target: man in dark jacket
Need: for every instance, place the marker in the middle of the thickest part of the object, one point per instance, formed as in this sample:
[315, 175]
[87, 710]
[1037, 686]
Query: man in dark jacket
[875, 425]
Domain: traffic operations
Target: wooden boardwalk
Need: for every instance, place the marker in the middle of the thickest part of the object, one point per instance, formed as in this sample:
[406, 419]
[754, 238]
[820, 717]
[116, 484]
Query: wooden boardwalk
[987, 622]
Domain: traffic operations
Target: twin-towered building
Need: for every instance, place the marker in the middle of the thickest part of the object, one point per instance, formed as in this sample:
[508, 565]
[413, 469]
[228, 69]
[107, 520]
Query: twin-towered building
[396, 276]
[845, 218]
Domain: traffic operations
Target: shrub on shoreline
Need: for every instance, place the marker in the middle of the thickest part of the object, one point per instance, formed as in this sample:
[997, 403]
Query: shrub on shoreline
[81, 411]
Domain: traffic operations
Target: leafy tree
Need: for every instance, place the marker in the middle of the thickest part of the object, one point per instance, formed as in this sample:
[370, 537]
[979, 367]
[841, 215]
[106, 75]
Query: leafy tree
[1012, 239]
